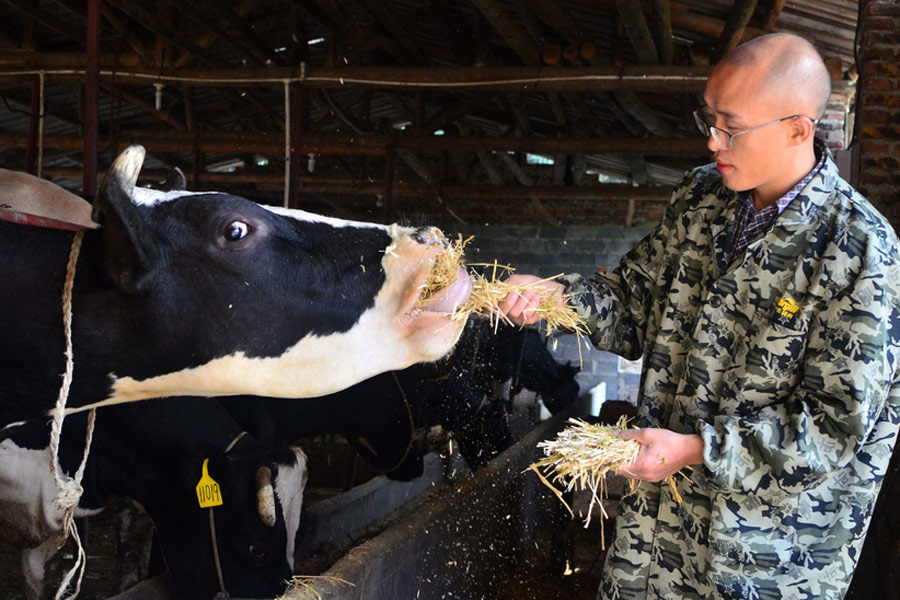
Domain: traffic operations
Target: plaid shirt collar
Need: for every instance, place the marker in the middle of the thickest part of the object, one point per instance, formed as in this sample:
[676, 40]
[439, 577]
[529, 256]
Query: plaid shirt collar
[750, 224]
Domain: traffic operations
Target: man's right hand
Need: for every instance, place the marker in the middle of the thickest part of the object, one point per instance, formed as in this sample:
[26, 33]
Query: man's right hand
[520, 307]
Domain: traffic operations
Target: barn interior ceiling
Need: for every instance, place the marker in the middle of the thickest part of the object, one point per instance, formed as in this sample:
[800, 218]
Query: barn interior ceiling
[459, 111]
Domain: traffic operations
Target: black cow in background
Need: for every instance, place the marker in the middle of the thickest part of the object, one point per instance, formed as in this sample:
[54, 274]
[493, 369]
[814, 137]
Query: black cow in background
[382, 417]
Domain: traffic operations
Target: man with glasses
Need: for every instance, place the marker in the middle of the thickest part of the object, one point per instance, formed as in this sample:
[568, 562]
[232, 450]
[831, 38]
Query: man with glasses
[766, 308]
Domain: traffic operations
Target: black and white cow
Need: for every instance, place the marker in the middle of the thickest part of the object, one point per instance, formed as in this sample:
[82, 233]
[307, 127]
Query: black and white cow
[209, 294]
[153, 453]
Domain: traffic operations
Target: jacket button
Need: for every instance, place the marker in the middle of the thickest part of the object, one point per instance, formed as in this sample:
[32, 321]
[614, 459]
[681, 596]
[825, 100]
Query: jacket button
[715, 302]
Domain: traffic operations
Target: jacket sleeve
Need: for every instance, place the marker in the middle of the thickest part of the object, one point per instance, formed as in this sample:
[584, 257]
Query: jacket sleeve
[616, 305]
[850, 373]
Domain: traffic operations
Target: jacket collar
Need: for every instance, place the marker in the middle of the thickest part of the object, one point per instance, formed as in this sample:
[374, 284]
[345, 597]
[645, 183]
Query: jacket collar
[806, 205]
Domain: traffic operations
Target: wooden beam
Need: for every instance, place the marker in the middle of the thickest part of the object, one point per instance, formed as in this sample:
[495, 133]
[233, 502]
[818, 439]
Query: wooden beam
[202, 19]
[526, 79]
[638, 32]
[682, 18]
[254, 41]
[64, 60]
[509, 30]
[162, 30]
[733, 32]
[772, 15]
[33, 10]
[397, 30]
[376, 145]
[127, 34]
[662, 30]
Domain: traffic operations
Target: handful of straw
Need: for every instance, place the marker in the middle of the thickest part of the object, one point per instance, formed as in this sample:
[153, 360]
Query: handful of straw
[487, 293]
[581, 456]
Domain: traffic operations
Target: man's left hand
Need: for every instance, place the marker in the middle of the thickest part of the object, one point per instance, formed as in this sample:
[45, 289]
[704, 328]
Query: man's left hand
[663, 453]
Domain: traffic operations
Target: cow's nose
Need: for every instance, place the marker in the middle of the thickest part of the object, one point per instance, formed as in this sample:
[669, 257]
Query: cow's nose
[430, 235]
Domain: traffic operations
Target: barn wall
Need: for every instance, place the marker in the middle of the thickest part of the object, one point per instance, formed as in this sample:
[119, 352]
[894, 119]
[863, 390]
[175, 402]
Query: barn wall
[879, 115]
[548, 251]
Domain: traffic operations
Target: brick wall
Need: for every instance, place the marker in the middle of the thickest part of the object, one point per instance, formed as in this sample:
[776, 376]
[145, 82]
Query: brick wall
[879, 113]
[547, 251]
[836, 125]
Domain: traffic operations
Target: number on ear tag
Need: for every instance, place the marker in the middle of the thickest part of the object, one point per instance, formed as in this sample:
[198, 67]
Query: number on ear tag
[208, 491]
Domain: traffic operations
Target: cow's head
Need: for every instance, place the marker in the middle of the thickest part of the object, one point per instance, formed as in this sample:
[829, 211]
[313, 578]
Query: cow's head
[226, 296]
[255, 527]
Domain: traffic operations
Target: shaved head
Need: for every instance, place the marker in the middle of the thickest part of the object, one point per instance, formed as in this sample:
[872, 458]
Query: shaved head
[785, 69]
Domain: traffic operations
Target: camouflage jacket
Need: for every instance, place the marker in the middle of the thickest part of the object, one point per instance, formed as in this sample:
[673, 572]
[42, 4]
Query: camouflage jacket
[785, 362]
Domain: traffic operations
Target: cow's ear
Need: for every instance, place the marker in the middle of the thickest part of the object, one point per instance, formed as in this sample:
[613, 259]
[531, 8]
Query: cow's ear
[130, 246]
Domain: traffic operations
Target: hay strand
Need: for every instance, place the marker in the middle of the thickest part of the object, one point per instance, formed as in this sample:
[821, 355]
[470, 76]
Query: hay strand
[300, 587]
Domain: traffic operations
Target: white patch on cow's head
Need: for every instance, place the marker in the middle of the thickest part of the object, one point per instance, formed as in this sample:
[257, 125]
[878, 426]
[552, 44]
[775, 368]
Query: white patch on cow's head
[290, 483]
[302, 215]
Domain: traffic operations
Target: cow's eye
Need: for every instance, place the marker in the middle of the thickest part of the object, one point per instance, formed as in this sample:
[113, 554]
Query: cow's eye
[236, 230]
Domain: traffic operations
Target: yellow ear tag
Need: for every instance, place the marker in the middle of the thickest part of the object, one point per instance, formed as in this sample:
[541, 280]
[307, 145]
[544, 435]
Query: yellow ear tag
[208, 492]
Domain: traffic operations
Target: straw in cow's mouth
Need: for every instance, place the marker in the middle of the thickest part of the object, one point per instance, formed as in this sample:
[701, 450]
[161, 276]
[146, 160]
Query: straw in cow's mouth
[488, 291]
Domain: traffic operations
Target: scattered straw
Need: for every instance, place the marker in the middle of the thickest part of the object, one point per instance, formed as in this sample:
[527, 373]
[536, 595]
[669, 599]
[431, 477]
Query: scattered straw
[300, 587]
[580, 457]
[489, 291]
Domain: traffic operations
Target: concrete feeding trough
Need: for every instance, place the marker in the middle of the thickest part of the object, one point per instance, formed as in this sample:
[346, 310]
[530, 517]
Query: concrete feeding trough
[461, 541]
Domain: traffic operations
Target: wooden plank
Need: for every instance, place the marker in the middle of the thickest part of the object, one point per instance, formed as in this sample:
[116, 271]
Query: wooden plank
[733, 32]
[509, 30]
[772, 15]
[638, 32]
[662, 30]
[254, 42]
[33, 10]
[398, 30]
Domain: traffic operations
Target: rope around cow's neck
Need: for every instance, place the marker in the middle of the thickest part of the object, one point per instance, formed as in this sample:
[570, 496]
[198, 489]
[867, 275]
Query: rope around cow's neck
[70, 489]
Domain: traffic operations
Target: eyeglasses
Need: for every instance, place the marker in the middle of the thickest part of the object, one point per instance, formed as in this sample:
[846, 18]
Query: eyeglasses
[724, 138]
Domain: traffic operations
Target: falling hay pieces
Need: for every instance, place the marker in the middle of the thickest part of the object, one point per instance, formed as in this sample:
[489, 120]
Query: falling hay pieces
[581, 456]
[488, 292]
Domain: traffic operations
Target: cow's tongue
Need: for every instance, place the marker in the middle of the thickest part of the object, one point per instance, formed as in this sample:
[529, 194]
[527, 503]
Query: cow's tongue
[451, 297]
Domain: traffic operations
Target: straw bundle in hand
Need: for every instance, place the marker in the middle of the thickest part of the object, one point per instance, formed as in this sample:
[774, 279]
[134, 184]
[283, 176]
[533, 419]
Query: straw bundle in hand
[581, 456]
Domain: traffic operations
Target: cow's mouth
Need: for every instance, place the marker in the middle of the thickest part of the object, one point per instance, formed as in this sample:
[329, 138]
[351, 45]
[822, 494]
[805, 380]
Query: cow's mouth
[447, 300]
